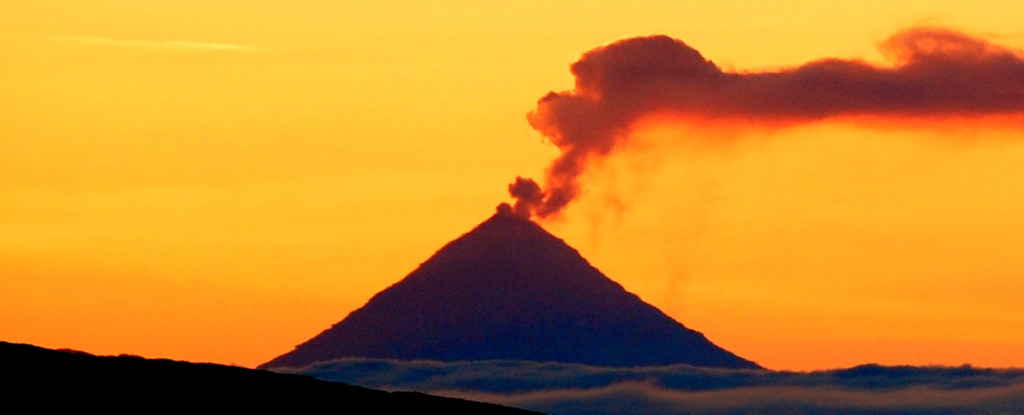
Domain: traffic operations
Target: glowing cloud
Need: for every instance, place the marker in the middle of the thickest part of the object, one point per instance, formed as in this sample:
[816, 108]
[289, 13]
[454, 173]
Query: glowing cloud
[933, 73]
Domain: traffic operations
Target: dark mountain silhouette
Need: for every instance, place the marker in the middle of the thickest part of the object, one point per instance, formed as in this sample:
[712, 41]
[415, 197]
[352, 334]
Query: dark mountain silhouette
[510, 290]
[38, 380]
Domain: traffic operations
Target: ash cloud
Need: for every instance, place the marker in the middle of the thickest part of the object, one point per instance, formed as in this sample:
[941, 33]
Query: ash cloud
[932, 73]
[528, 195]
[564, 389]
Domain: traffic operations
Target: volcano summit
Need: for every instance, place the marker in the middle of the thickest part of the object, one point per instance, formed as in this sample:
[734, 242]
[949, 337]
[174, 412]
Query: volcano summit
[510, 290]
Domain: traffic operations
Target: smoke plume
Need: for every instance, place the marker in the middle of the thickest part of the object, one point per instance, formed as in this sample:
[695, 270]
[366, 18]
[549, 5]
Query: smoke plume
[932, 73]
[528, 196]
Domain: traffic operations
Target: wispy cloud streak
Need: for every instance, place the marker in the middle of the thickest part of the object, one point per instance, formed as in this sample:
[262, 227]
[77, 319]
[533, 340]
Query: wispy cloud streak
[156, 44]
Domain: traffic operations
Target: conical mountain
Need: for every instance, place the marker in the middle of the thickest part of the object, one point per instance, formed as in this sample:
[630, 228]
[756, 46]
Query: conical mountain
[510, 290]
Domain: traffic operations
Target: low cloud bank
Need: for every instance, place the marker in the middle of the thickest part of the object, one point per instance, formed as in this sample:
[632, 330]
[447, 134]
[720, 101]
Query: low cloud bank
[564, 389]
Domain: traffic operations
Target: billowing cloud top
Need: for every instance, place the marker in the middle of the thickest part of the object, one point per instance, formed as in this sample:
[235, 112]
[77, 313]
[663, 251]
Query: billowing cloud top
[932, 73]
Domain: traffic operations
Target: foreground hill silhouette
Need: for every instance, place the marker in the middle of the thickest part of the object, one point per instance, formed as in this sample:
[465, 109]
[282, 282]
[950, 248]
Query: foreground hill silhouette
[510, 290]
[39, 380]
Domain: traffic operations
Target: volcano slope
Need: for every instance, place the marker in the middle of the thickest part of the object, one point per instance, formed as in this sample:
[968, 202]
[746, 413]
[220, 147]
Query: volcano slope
[510, 290]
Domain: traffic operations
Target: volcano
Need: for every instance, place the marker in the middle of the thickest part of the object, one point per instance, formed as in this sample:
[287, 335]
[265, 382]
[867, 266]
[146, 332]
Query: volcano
[510, 290]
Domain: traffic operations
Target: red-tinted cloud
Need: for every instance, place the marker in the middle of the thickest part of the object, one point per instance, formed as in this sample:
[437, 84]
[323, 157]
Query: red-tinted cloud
[933, 73]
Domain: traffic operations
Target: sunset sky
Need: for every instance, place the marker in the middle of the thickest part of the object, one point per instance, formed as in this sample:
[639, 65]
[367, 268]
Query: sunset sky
[220, 181]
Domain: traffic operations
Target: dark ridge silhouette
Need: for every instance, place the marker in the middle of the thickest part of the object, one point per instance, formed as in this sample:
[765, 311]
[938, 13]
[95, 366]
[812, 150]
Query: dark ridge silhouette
[510, 290]
[39, 380]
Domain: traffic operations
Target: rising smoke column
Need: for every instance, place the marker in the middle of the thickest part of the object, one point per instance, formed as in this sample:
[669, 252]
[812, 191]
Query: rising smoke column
[933, 73]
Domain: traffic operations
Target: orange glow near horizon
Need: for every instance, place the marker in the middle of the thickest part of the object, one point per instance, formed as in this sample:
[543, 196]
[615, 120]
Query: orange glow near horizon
[222, 181]
[851, 239]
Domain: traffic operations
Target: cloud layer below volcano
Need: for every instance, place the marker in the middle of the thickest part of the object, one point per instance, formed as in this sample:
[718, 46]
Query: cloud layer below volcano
[563, 389]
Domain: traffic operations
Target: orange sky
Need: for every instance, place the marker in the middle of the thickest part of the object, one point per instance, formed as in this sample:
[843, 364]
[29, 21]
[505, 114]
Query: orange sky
[219, 181]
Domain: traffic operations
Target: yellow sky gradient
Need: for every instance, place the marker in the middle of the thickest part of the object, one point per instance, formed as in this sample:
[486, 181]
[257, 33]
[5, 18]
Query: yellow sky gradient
[219, 181]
